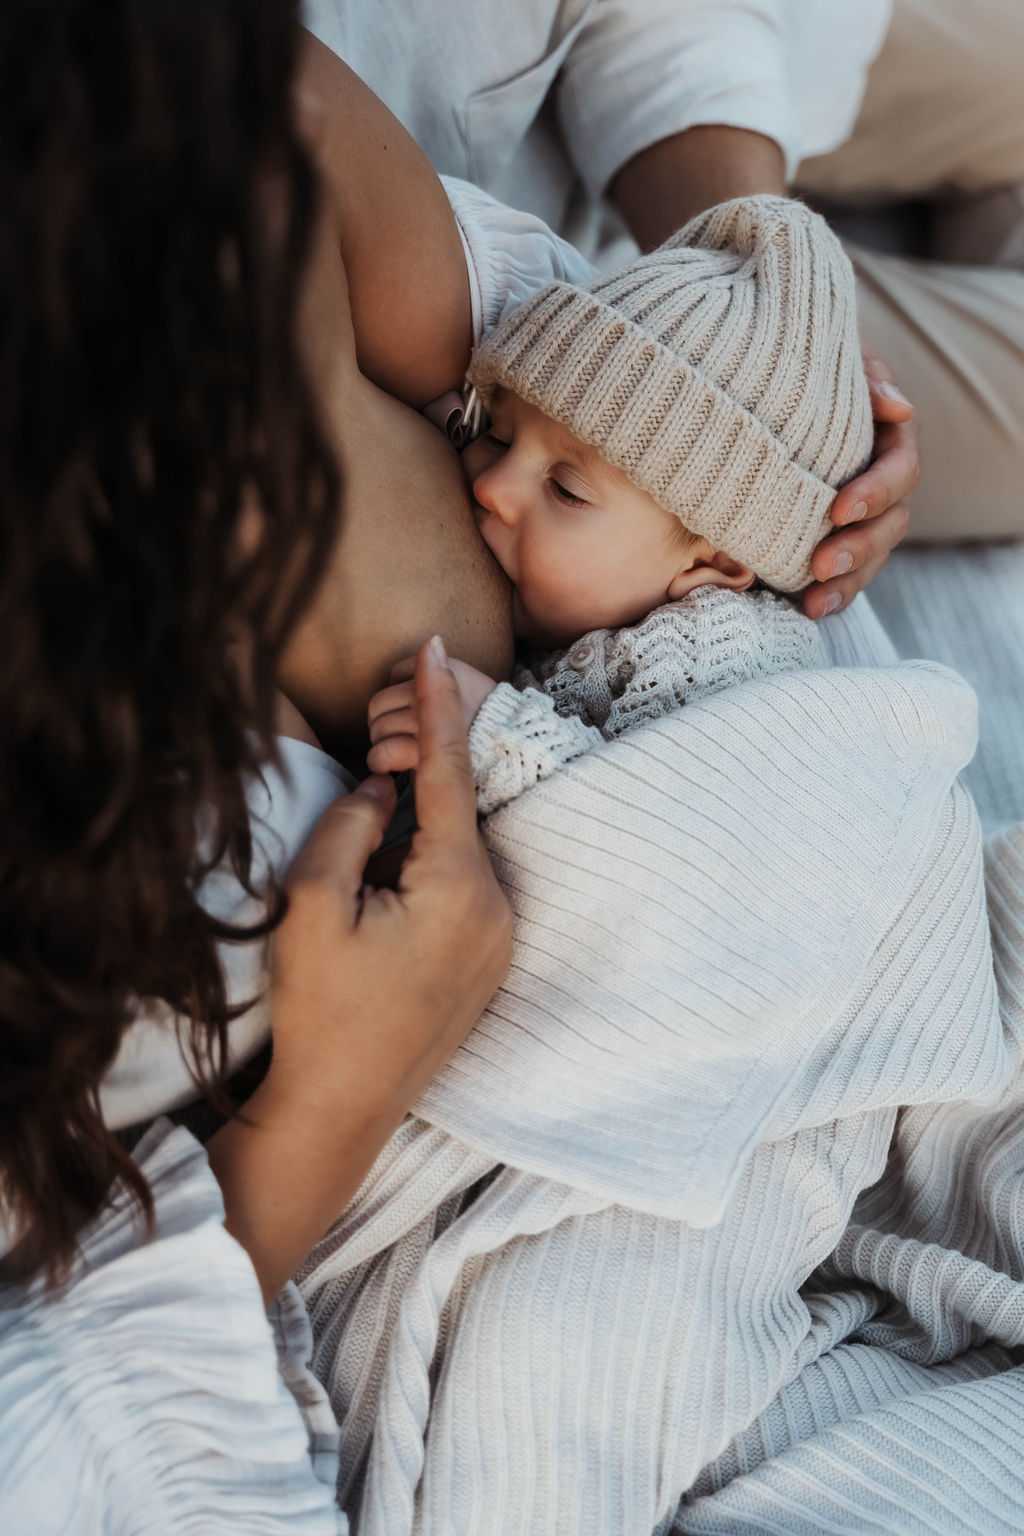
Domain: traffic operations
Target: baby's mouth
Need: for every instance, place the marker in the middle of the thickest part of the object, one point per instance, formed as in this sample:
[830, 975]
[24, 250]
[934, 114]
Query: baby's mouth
[485, 523]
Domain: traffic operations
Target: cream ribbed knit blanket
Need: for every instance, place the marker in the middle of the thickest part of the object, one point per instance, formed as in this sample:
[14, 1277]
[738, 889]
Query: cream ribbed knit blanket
[610, 1264]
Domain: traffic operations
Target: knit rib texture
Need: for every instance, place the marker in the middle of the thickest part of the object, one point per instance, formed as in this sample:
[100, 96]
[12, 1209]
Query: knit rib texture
[722, 373]
[964, 606]
[606, 1277]
[612, 680]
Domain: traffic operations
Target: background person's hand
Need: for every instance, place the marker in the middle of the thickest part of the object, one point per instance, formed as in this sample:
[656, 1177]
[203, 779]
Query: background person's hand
[371, 992]
[393, 714]
[871, 512]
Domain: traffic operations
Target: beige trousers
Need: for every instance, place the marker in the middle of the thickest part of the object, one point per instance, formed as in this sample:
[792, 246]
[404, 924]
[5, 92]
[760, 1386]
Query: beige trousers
[943, 120]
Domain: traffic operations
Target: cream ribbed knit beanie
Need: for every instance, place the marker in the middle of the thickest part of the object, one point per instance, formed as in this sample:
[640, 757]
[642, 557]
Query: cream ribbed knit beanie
[722, 372]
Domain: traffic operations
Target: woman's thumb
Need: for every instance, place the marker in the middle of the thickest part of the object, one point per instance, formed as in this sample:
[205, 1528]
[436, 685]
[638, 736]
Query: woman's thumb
[445, 796]
[345, 837]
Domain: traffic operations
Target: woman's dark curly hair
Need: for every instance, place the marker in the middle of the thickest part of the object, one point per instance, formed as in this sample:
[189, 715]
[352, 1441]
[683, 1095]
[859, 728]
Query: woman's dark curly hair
[157, 211]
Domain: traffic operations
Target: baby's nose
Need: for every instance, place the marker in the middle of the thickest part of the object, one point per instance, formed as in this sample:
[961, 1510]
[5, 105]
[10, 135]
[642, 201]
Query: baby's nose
[495, 492]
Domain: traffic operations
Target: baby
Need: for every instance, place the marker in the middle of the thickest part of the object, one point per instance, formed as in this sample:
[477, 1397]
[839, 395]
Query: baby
[659, 442]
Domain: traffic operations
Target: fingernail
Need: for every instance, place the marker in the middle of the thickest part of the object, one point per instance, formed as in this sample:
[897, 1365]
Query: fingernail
[842, 563]
[436, 653]
[833, 602]
[892, 393]
[856, 512]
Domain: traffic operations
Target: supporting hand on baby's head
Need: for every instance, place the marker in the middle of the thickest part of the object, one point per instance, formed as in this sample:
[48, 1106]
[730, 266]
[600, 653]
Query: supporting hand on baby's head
[392, 714]
[849, 560]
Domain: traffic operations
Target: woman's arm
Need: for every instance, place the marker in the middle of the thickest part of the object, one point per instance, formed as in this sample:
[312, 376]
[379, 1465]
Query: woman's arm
[372, 991]
[396, 231]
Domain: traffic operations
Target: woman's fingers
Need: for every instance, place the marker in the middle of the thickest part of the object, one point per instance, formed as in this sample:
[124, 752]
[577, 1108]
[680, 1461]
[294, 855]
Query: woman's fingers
[373, 990]
[342, 841]
[445, 794]
[895, 470]
[871, 512]
[888, 402]
[447, 882]
[892, 475]
[850, 549]
[830, 596]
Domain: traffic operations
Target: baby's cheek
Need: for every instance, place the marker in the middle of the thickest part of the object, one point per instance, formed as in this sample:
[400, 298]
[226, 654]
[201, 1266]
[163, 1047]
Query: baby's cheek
[571, 603]
[474, 459]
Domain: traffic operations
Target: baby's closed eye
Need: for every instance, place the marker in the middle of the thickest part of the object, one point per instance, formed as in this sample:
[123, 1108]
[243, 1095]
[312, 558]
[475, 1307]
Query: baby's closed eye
[564, 494]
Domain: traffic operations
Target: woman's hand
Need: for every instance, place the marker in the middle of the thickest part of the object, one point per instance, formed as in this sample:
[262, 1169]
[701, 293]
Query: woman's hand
[871, 511]
[393, 714]
[371, 992]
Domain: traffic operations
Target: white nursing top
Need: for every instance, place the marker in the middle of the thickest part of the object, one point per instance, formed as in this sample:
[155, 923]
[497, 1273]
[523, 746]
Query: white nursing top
[150, 1075]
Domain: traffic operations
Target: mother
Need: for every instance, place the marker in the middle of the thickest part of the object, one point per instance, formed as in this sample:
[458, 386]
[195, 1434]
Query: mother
[175, 376]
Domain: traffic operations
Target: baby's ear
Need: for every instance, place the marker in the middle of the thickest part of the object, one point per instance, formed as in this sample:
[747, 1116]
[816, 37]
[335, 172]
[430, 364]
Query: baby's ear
[711, 568]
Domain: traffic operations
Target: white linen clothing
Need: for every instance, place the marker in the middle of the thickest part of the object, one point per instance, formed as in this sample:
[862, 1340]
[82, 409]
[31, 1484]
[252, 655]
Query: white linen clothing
[150, 1075]
[509, 254]
[520, 103]
[153, 1394]
[610, 681]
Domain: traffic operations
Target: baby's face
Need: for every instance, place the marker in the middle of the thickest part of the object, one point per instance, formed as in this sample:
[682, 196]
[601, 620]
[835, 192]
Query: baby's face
[584, 548]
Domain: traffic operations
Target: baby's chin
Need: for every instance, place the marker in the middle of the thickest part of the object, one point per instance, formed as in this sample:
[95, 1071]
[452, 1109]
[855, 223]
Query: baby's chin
[523, 626]
[530, 631]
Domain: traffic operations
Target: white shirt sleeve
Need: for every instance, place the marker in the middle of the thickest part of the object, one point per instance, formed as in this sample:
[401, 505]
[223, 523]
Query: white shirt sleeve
[642, 70]
[152, 1392]
[509, 254]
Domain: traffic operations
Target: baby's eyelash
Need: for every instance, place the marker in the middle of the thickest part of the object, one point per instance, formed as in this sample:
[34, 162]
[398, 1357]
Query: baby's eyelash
[567, 496]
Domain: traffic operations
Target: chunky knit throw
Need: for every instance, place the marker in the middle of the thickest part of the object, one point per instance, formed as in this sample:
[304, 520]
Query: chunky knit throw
[722, 372]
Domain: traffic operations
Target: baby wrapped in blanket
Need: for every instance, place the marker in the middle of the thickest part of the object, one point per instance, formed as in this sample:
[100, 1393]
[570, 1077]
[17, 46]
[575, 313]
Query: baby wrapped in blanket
[583, 1281]
[659, 442]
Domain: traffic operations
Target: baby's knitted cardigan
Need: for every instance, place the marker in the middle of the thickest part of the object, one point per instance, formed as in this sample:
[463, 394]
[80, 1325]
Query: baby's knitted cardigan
[611, 680]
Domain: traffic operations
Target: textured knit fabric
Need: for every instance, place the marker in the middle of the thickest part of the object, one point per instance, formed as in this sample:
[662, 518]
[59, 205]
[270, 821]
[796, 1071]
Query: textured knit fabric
[612, 680]
[965, 607]
[152, 1394]
[913, 1427]
[722, 373]
[746, 933]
